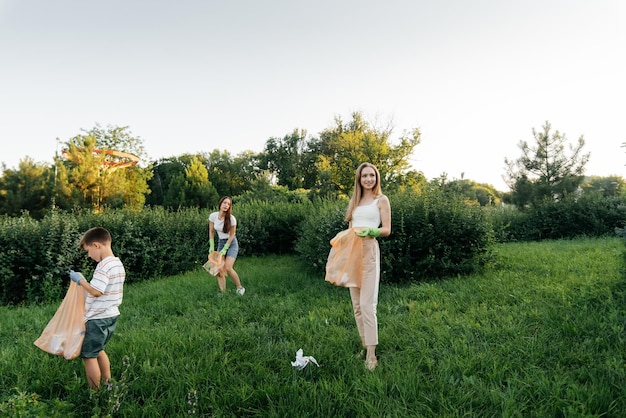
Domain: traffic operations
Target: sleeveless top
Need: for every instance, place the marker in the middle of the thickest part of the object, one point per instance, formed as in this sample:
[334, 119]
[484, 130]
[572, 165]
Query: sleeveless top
[366, 215]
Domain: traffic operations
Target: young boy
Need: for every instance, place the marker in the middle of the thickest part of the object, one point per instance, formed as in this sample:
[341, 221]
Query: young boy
[104, 295]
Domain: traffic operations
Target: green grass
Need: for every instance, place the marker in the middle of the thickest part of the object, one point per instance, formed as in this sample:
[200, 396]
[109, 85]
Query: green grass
[541, 334]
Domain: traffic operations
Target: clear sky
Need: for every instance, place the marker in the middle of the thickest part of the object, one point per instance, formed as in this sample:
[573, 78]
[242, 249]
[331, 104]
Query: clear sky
[197, 75]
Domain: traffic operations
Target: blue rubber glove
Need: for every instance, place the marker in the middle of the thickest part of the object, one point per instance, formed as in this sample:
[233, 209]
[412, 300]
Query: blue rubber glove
[223, 252]
[75, 276]
[372, 232]
[211, 245]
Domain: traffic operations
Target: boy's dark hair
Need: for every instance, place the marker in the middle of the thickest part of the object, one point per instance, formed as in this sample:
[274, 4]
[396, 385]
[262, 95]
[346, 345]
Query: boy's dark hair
[97, 234]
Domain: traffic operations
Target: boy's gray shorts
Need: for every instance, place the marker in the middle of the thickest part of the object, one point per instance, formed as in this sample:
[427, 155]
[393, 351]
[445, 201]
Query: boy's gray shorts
[98, 332]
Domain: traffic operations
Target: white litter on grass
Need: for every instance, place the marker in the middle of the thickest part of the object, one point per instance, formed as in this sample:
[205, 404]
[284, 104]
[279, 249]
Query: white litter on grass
[302, 361]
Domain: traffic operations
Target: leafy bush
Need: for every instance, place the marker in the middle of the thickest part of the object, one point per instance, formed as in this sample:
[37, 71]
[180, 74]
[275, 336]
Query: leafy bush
[433, 235]
[154, 242]
[566, 219]
[35, 256]
[324, 221]
[31, 405]
[269, 227]
[436, 235]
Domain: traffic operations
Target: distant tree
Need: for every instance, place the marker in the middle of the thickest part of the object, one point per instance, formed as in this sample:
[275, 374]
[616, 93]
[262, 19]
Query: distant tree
[164, 171]
[199, 192]
[133, 189]
[545, 170]
[66, 196]
[81, 170]
[176, 179]
[413, 181]
[482, 194]
[131, 183]
[29, 188]
[118, 138]
[175, 195]
[167, 180]
[262, 189]
[98, 178]
[182, 182]
[342, 148]
[290, 159]
[231, 176]
[246, 164]
[611, 186]
[486, 194]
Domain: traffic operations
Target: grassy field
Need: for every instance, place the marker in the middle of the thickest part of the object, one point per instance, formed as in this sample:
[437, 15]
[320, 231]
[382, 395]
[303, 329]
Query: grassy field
[541, 334]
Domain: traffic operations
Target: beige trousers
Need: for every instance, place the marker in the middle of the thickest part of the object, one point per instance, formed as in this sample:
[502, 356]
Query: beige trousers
[365, 299]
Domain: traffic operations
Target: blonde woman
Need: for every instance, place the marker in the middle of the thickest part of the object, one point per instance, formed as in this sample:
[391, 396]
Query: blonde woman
[369, 213]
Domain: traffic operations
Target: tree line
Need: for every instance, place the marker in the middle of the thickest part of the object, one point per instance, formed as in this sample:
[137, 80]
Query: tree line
[296, 166]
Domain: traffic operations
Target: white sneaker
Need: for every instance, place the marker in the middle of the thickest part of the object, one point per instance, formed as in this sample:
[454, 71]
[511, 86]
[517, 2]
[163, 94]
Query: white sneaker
[241, 291]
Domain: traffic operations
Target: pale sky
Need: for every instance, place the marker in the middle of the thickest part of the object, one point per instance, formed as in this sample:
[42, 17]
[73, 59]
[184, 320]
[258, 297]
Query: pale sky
[192, 76]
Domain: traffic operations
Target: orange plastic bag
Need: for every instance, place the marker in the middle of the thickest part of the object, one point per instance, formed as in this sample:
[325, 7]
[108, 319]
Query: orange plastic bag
[215, 263]
[64, 334]
[344, 266]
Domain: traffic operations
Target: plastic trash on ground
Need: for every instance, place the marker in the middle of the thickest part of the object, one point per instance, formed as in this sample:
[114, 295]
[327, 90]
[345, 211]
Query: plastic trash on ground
[302, 361]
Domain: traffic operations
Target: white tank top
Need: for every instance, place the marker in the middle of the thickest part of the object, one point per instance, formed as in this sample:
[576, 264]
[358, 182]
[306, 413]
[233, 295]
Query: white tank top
[366, 215]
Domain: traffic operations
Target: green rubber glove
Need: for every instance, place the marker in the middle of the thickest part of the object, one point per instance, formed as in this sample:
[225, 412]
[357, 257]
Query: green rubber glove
[372, 232]
[211, 245]
[223, 252]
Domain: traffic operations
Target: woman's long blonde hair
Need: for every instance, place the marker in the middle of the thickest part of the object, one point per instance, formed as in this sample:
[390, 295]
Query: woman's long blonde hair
[357, 192]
